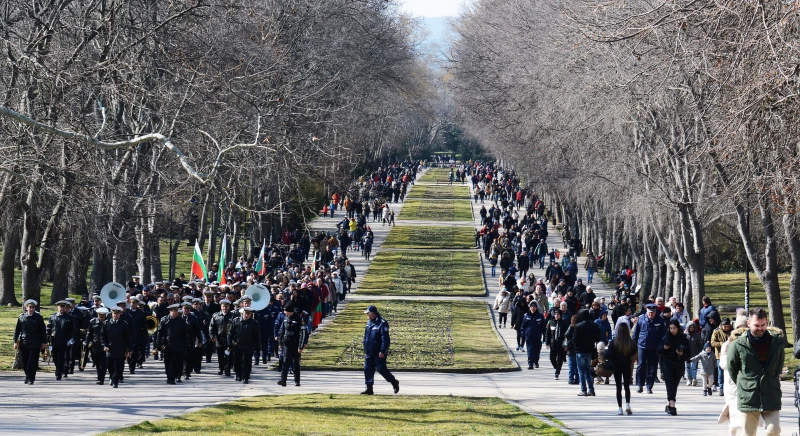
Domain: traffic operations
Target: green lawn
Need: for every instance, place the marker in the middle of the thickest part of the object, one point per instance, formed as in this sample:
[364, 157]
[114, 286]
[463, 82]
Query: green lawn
[434, 174]
[430, 237]
[436, 210]
[446, 336]
[439, 192]
[728, 290]
[443, 273]
[332, 414]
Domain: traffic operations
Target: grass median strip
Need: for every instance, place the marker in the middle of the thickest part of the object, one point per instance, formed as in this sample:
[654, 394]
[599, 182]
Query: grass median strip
[436, 210]
[331, 414]
[446, 336]
[438, 191]
[430, 237]
[438, 273]
[435, 174]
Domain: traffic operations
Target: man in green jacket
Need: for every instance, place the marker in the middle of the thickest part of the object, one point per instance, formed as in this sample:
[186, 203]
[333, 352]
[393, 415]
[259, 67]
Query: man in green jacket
[755, 361]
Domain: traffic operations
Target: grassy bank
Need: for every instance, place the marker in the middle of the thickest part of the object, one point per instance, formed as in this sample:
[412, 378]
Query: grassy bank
[329, 414]
[443, 273]
[435, 174]
[430, 237]
[447, 336]
[439, 191]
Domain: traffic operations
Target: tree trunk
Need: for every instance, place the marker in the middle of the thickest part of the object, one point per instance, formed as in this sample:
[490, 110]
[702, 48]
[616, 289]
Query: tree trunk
[61, 273]
[78, 268]
[102, 269]
[173, 257]
[212, 232]
[28, 258]
[143, 244]
[10, 247]
[793, 243]
[155, 259]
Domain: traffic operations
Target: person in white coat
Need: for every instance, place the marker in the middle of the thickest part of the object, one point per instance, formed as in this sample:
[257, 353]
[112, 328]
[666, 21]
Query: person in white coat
[502, 304]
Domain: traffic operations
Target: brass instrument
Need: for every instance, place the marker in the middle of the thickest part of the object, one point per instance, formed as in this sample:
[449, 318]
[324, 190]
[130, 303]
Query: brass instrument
[152, 324]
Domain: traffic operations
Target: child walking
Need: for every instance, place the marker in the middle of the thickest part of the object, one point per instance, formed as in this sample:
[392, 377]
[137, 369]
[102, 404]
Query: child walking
[708, 366]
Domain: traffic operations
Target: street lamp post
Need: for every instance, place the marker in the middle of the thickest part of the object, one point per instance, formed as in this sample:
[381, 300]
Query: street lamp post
[747, 266]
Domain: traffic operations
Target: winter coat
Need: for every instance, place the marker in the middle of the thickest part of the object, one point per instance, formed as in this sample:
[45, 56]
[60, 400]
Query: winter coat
[648, 333]
[30, 331]
[695, 343]
[116, 337]
[555, 332]
[502, 302]
[605, 330]
[758, 389]
[718, 338]
[587, 333]
[708, 362]
[533, 326]
[376, 337]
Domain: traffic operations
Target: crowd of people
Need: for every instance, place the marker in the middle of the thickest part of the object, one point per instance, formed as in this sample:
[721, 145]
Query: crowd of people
[636, 341]
[185, 323]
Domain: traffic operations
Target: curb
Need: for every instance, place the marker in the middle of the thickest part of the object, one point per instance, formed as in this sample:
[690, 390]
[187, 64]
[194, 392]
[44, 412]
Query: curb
[543, 418]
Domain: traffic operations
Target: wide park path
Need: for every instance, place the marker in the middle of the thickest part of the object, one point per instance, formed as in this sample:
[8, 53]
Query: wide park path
[78, 406]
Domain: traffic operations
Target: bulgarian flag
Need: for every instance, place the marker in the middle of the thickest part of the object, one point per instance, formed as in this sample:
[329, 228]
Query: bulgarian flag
[261, 265]
[198, 266]
[223, 253]
[314, 264]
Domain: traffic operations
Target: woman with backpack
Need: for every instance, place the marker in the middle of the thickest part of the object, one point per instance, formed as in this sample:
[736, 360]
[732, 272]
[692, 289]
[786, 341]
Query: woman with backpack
[620, 355]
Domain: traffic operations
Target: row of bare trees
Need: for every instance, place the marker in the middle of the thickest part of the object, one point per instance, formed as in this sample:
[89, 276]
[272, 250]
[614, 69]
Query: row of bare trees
[646, 124]
[126, 122]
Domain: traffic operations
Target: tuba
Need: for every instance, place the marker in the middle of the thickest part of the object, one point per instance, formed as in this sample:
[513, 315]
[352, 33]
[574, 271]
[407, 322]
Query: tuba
[260, 296]
[152, 324]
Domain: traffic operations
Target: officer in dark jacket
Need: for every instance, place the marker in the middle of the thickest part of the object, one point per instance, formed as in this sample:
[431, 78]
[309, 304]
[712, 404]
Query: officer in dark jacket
[533, 327]
[245, 338]
[116, 340]
[210, 308]
[94, 343]
[292, 339]
[218, 331]
[61, 332]
[30, 337]
[194, 348]
[554, 336]
[139, 336]
[79, 322]
[266, 321]
[172, 338]
[376, 349]
[647, 334]
[205, 322]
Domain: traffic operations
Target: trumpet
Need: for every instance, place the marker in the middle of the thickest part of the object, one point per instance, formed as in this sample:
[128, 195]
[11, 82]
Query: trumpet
[152, 324]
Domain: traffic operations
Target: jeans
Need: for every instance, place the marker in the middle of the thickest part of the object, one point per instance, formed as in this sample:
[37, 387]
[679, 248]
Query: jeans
[572, 366]
[541, 261]
[691, 370]
[584, 361]
[720, 378]
[589, 273]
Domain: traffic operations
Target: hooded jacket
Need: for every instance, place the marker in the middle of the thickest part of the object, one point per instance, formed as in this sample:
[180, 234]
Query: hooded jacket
[758, 388]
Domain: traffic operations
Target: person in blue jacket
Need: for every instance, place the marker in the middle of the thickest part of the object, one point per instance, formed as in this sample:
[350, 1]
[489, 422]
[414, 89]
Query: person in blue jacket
[376, 348]
[605, 328]
[648, 333]
[533, 325]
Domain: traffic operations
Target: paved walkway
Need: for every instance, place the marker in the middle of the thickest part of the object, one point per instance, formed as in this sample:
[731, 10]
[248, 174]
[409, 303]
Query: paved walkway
[77, 406]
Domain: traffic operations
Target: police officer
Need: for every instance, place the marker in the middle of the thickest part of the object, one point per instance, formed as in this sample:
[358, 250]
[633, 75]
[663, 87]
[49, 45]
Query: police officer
[376, 348]
[195, 345]
[172, 339]
[292, 339]
[244, 338]
[266, 321]
[93, 343]
[210, 308]
[139, 336]
[116, 340]
[533, 326]
[205, 320]
[30, 337]
[218, 331]
[647, 334]
[60, 330]
[79, 322]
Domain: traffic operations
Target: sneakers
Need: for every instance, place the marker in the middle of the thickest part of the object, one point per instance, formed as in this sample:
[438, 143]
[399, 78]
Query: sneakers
[688, 382]
[694, 382]
[582, 394]
[628, 409]
[721, 393]
[556, 377]
[714, 389]
[705, 393]
[591, 394]
[619, 411]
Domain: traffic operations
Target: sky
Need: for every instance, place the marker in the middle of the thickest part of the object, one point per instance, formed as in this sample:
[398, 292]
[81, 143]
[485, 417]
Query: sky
[432, 8]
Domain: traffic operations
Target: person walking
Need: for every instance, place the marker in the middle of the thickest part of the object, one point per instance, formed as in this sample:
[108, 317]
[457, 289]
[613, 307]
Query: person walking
[117, 343]
[293, 337]
[586, 335]
[621, 353]
[60, 331]
[502, 305]
[719, 337]
[648, 333]
[674, 352]
[707, 368]
[731, 411]
[30, 337]
[244, 336]
[555, 333]
[376, 349]
[590, 266]
[695, 347]
[533, 325]
[754, 363]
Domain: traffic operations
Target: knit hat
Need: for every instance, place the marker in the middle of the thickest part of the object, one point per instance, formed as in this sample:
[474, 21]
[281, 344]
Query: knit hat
[707, 345]
[741, 321]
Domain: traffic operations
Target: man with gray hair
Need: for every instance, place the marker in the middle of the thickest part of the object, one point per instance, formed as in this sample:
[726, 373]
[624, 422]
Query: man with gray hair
[755, 362]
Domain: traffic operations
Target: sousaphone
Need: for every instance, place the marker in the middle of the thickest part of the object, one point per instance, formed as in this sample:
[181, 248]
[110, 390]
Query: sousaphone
[111, 293]
[260, 295]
